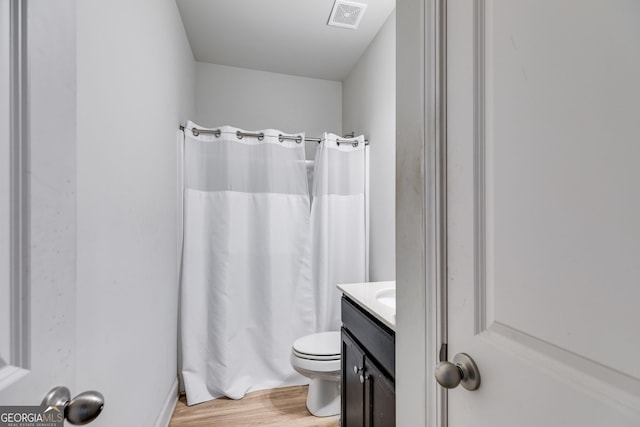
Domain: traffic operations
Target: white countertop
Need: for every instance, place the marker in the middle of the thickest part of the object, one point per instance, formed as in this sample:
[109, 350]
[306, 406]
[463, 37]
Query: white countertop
[364, 294]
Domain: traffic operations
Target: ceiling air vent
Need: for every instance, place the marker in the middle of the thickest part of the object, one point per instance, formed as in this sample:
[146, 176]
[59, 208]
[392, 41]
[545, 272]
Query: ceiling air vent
[346, 14]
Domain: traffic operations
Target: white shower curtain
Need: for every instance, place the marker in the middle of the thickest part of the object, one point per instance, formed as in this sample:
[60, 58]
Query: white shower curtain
[337, 224]
[246, 277]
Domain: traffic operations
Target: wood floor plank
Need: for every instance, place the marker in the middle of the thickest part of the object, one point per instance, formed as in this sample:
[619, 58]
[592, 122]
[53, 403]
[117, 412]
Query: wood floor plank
[281, 407]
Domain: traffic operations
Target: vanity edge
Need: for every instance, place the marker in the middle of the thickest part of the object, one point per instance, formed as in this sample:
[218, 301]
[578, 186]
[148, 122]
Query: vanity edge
[364, 294]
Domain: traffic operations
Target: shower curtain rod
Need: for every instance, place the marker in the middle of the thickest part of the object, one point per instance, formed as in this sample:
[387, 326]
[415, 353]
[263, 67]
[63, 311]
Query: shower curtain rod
[260, 136]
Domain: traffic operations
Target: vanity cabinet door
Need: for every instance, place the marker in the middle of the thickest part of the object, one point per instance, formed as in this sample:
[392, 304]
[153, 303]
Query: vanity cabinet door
[380, 398]
[352, 387]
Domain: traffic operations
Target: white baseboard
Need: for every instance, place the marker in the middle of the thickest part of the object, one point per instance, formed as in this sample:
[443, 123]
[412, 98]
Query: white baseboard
[169, 405]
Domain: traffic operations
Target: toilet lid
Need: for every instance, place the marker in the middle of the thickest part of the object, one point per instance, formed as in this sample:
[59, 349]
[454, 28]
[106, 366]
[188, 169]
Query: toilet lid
[322, 344]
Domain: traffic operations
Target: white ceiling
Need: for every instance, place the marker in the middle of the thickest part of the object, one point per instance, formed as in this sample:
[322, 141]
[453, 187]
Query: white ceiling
[281, 36]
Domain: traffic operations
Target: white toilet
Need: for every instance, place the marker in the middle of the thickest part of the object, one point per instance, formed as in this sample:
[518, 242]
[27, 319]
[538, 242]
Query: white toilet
[317, 357]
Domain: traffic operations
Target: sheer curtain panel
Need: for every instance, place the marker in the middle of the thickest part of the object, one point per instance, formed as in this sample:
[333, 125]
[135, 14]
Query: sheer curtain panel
[337, 224]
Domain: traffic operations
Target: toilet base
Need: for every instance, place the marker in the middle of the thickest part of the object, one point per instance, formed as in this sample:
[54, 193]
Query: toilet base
[323, 398]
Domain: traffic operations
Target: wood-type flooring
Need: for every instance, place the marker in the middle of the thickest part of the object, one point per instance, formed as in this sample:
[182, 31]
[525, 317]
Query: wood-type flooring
[281, 407]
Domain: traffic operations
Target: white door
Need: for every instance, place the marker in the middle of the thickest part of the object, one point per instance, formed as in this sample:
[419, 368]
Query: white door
[37, 306]
[543, 199]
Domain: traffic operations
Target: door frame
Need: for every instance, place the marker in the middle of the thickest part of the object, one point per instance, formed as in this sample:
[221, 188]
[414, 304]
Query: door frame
[421, 210]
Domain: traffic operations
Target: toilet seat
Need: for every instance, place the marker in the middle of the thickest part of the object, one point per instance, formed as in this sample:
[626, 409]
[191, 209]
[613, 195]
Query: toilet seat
[315, 356]
[320, 346]
[314, 367]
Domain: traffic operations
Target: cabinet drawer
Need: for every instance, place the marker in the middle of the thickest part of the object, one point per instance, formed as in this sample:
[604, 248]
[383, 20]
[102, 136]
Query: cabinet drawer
[378, 340]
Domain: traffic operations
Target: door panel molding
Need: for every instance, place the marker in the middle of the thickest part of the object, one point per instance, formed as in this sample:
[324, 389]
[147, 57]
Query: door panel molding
[49, 211]
[19, 359]
[479, 155]
[589, 376]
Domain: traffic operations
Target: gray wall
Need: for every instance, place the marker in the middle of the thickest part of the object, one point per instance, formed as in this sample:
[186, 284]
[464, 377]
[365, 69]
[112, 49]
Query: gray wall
[136, 78]
[369, 107]
[254, 100]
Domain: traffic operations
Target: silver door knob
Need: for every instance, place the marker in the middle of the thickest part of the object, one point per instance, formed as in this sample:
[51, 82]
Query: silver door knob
[84, 408]
[57, 396]
[80, 410]
[463, 371]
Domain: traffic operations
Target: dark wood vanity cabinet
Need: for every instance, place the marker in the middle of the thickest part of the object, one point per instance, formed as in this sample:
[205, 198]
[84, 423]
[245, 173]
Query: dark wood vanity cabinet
[352, 388]
[368, 369]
